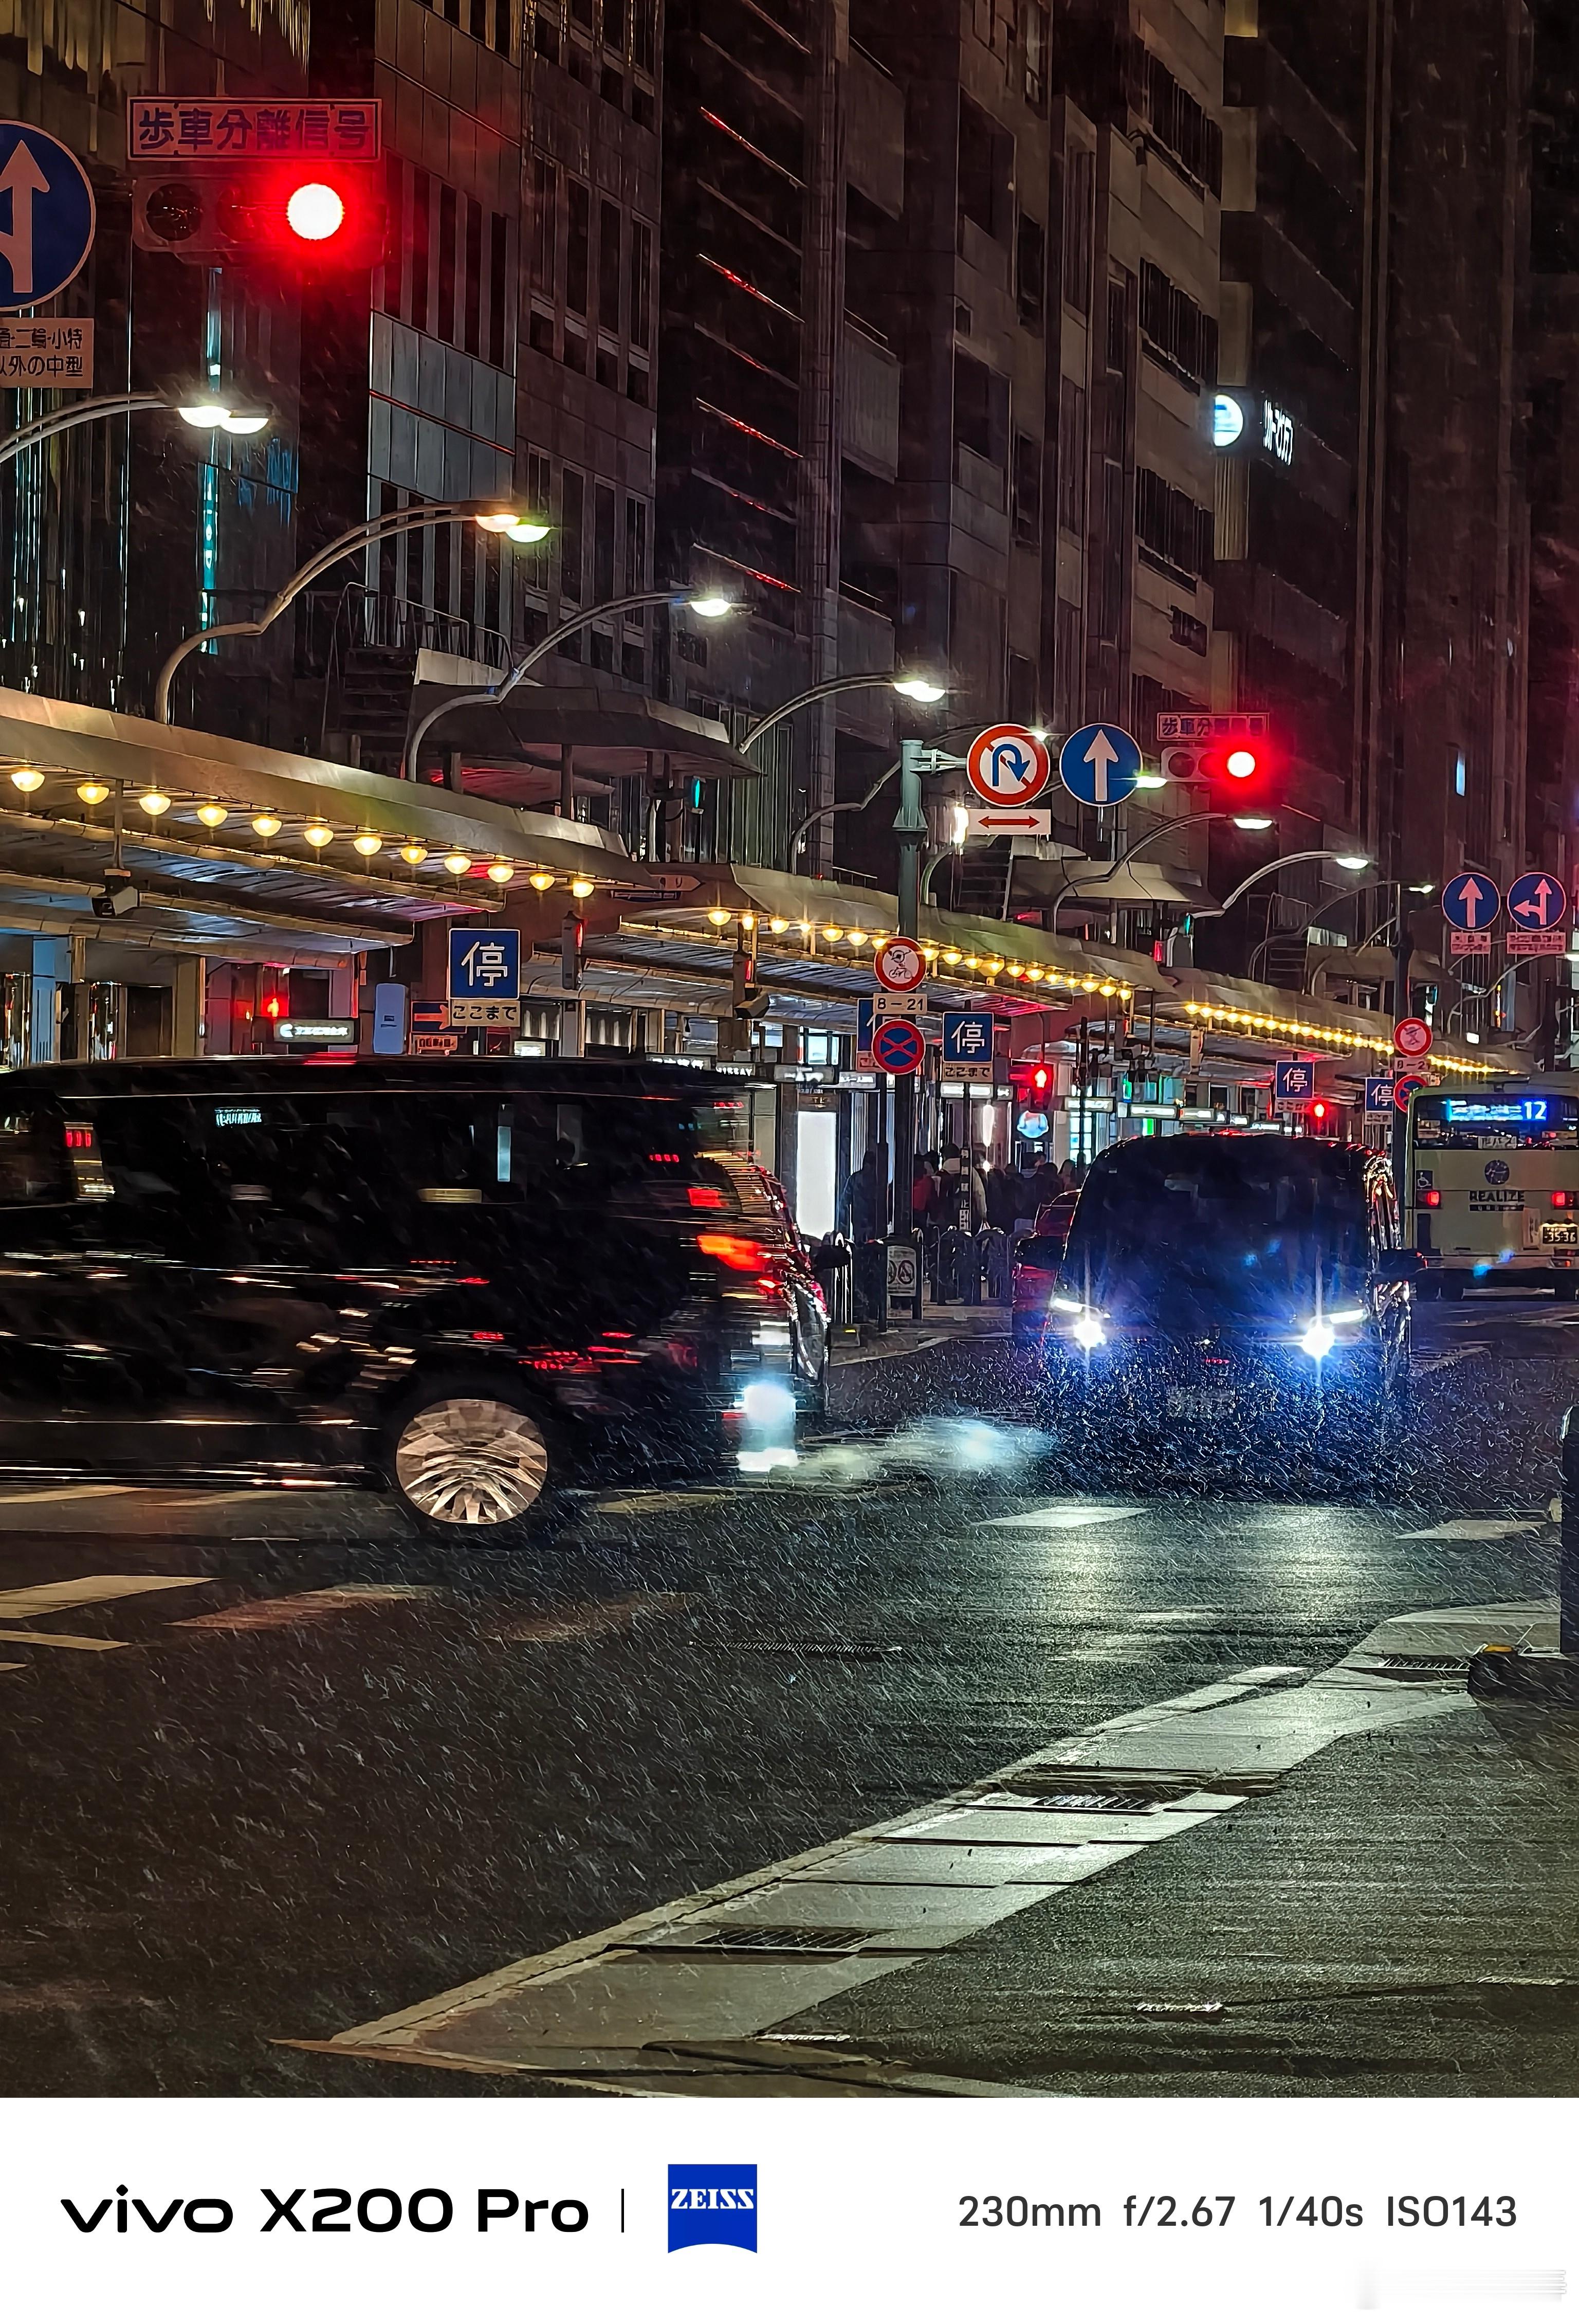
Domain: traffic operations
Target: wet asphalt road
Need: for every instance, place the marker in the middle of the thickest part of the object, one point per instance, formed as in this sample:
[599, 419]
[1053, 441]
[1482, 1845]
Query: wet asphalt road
[311, 1774]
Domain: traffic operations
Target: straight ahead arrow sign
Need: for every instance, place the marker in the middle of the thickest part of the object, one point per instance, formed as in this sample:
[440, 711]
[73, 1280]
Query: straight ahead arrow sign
[1100, 757]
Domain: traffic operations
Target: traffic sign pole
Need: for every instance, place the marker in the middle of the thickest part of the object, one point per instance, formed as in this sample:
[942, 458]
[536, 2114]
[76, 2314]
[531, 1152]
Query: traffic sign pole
[910, 830]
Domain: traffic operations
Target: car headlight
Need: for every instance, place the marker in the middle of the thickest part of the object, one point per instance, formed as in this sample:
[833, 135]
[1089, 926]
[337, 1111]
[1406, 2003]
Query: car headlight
[1319, 1340]
[1086, 1331]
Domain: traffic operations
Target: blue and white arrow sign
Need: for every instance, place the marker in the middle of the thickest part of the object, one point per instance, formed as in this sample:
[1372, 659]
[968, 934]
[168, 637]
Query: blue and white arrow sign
[1471, 902]
[47, 216]
[1099, 764]
[1537, 901]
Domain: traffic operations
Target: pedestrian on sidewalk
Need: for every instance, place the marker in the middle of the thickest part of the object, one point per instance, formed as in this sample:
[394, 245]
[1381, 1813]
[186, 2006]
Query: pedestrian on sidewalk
[1005, 1200]
[858, 1205]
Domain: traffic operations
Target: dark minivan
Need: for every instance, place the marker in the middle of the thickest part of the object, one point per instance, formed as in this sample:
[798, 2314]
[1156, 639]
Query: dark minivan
[470, 1283]
[1234, 1284]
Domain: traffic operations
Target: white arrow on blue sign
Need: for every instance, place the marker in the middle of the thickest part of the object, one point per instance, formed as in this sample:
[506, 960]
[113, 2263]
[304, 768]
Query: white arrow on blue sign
[1471, 902]
[1098, 765]
[1537, 901]
[1294, 1080]
[968, 1037]
[52, 215]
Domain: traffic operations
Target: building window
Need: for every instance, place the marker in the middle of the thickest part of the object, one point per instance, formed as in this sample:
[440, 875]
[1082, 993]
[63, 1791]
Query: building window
[532, 561]
[641, 270]
[498, 289]
[986, 167]
[443, 322]
[644, 42]
[1030, 271]
[981, 410]
[421, 229]
[608, 240]
[603, 543]
[1027, 491]
[546, 30]
[1078, 219]
[544, 201]
[572, 543]
[635, 548]
[1183, 130]
[1071, 456]
[1068, 682]
[578, 246]
[1173, 530]
[473, 299]
[1176, 333]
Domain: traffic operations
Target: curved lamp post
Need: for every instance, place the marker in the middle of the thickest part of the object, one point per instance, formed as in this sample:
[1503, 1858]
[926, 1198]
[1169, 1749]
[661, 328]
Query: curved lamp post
[711, 608]
[203, 408]
[854, 807]
[489, 514]
[1369, 888]
[916, 690]
[1304, 855]
[1245, 817]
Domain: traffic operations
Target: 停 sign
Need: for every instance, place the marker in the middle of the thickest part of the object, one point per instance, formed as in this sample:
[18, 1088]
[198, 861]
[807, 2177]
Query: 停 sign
[485, 976]
[1379, 1093]
[231, 129]
[1293, 1081]
[968, 1037]
[57, 352]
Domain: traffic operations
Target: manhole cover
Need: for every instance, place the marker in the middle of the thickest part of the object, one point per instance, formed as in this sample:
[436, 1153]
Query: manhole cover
[767, 1938]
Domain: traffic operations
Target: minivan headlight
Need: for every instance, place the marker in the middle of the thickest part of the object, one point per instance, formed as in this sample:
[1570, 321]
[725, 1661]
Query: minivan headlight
[1087, 1329]
[1320, 1335]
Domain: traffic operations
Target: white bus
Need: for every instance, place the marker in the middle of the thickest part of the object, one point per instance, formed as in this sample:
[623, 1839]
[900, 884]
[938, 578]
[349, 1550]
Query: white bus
[1493, 1187]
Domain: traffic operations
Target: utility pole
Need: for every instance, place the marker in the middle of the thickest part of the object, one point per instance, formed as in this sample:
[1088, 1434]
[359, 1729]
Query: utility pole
[910, 830]
[1402, 949]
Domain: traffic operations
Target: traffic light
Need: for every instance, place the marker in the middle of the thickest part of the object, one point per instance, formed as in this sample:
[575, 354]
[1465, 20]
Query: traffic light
[290, 217]
[751, 1000]
[1232, 765]
[572, 936]
[1041, 1080]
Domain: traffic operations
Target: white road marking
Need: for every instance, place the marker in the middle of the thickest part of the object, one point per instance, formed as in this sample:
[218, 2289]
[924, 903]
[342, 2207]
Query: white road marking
[90, 1589]
[1474, 1530]
[1063, 1517]
[655, 1996]
[303, 1607]
[1440, 1363]
[65, 1493]
[59, 1638]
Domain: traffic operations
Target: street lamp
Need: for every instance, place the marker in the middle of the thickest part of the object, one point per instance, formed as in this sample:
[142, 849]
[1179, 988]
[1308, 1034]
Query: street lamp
[915, 688]
[487, 513]
[854, 807]
[1304, 855]
[709, 607]
[204, 407]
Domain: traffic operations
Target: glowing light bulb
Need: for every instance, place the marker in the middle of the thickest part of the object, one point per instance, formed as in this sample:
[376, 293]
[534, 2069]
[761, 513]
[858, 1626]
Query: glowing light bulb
[27, 779]
[367, 842]
[501, 874]
[317, 834]
[457, 864]
[413, 851]
[213, 815]
[719, 916]
[154, 802]
[265, 825]
[93, 794]
[581, 887]
[542, 881]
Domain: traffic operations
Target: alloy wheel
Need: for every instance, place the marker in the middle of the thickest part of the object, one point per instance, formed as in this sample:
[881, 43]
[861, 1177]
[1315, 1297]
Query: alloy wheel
[471, 1461]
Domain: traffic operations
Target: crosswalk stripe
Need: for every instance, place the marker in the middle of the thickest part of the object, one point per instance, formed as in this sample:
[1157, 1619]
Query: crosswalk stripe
[60, 1639]
[91, 1590]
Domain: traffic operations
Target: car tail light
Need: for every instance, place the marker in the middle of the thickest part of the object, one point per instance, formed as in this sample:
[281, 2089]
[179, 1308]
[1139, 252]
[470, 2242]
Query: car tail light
[1563, 1201]
[737, 1253]
[705, 1198]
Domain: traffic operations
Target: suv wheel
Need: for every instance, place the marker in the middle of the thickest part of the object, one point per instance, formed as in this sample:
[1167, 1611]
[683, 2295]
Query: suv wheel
[470, 1462]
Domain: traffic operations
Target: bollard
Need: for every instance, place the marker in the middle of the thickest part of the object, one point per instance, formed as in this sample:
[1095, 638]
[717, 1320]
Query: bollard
[1568, 1555]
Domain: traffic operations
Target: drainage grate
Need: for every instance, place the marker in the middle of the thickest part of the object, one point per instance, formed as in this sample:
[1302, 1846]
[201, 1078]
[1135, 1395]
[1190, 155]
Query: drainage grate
[853, 1650]
[1422, 1666]
[1093, 1799]
[767, 1938]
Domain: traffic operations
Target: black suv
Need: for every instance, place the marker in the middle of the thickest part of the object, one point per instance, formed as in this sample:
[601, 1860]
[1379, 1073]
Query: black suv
[1234, 1285]
[471, 1283]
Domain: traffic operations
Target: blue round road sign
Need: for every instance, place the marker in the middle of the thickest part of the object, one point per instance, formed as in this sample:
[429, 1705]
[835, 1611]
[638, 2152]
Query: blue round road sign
[1537, 901]
[47, 216]
[899, 1047]
[1098, 765]
[1471, 902]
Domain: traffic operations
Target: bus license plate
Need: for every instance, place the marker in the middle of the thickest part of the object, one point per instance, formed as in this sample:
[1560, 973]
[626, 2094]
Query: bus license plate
[1559, 1237]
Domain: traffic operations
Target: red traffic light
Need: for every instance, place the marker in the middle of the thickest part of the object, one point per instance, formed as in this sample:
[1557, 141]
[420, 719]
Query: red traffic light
[1041, 1080]
[314, 212]
[1320, 1110]
[1240, 764]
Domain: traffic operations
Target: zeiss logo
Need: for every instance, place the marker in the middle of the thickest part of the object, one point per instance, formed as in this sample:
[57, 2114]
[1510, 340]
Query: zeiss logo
[712, 2203]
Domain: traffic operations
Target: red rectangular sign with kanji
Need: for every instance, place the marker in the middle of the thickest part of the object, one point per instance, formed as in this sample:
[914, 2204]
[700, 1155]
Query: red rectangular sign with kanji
[251, 129]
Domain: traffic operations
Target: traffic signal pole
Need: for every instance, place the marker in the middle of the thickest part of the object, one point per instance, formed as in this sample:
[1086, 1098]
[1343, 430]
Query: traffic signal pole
[911, 831]
[1403, 948]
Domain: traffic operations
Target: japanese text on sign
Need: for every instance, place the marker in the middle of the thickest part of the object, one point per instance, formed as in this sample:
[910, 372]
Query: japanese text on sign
[485, 1013]
[487, 963]
[215, 129]
[58, 351]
